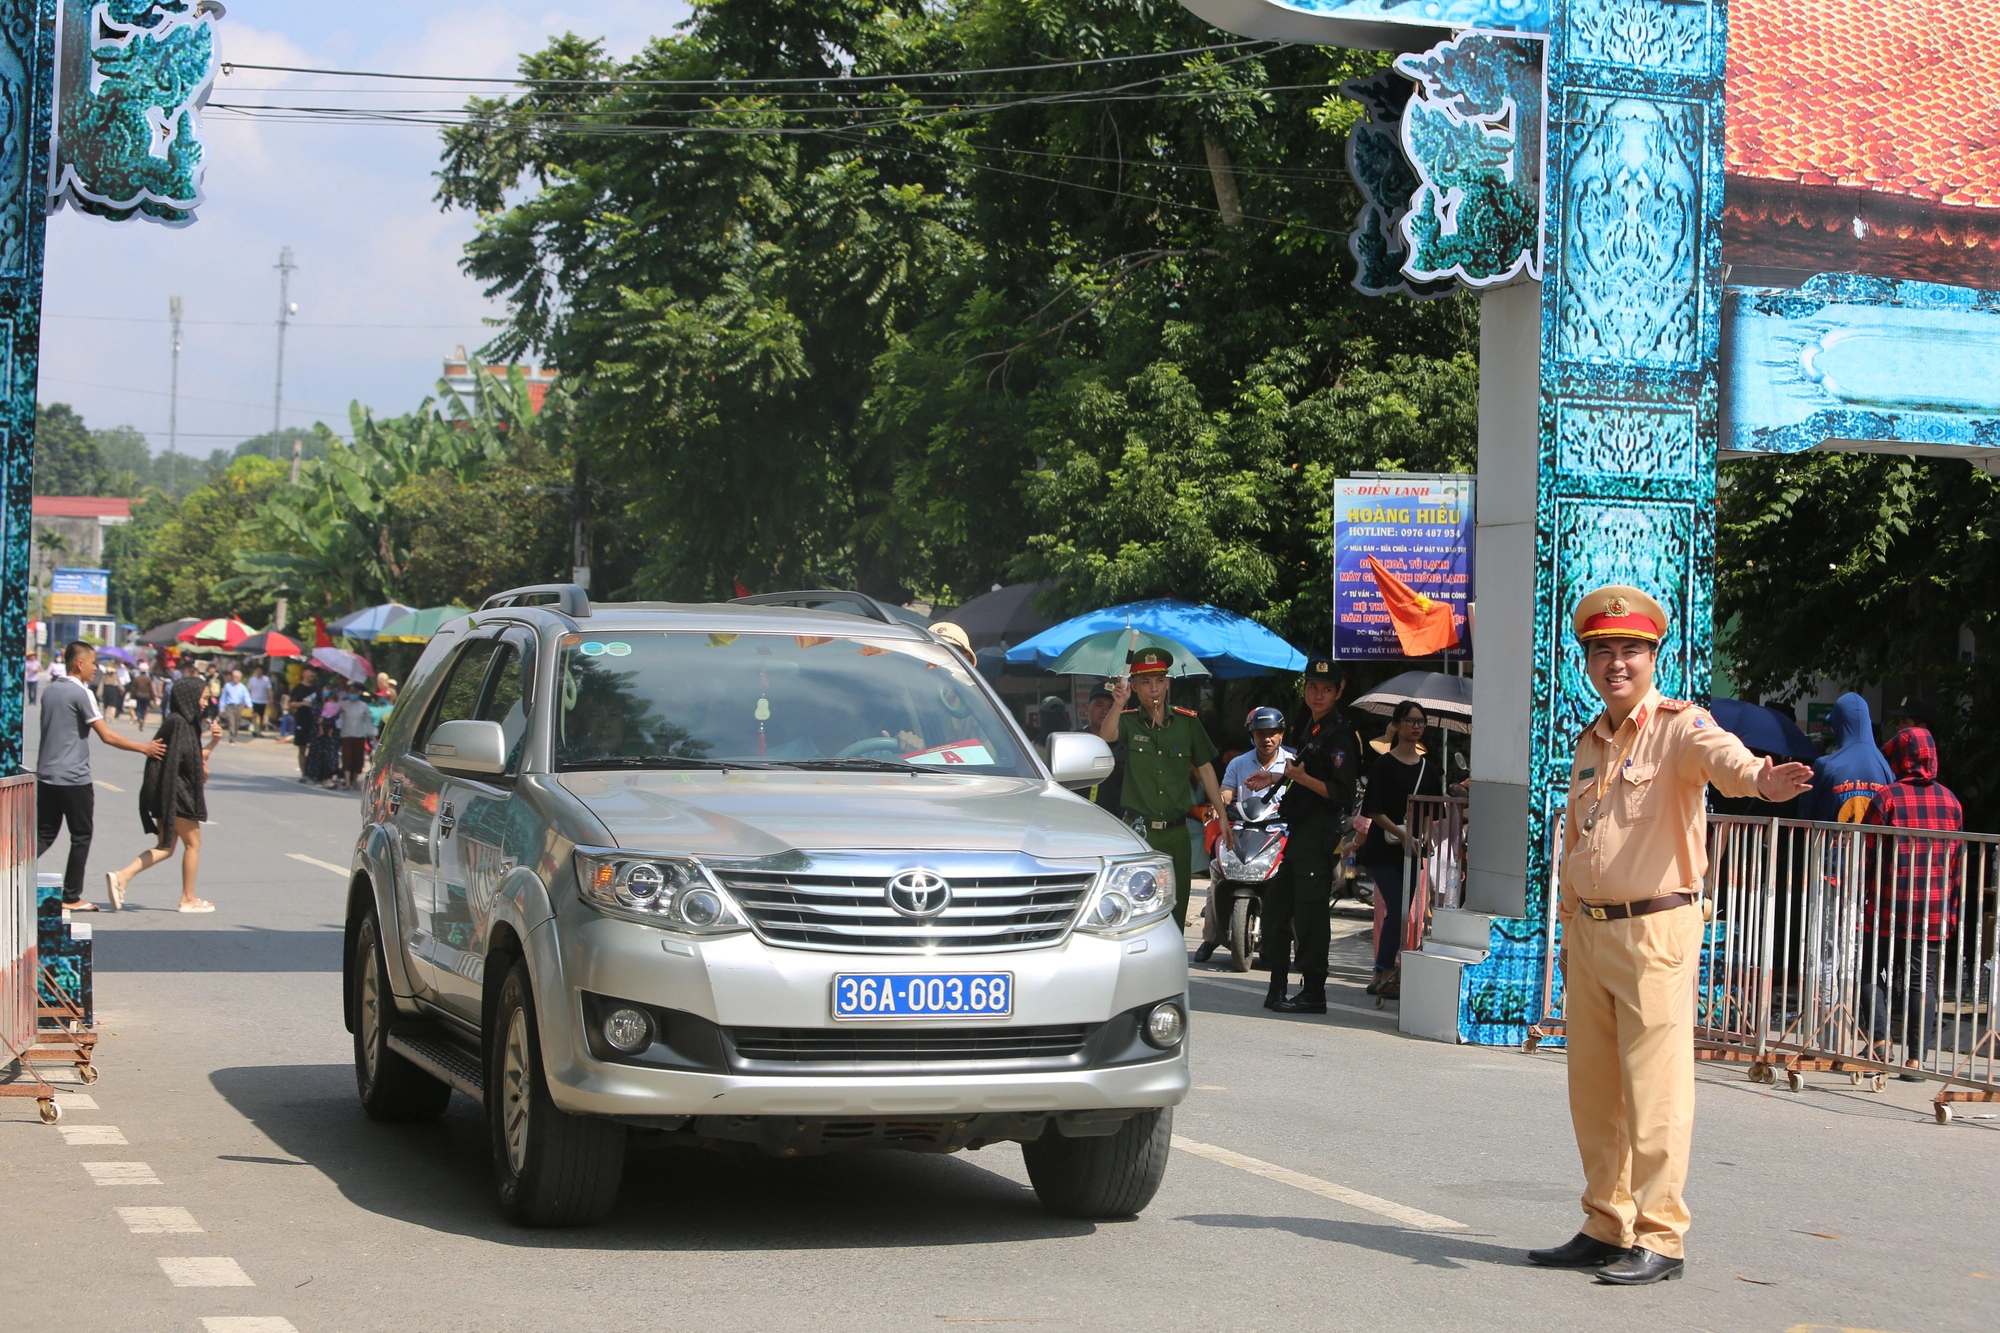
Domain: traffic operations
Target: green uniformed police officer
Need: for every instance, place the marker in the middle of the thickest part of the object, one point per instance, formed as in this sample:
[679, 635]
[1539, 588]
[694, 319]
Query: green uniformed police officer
[1163, 747]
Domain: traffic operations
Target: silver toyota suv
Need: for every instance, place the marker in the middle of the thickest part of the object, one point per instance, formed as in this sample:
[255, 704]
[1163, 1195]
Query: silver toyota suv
[752, 876]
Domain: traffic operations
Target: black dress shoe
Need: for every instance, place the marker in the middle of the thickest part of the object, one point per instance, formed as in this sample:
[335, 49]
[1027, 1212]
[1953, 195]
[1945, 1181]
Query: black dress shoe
[1302, 1003]
[1640, 1268]
[1273, 998]
[1204, 953]
[1579, 1251]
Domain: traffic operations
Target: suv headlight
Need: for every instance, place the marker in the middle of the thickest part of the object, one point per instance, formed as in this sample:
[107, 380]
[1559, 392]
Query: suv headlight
[1130, 894]
[673, 892]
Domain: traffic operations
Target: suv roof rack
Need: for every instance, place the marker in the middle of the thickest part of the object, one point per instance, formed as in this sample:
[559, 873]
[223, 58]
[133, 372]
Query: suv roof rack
[837, 599]
[568, 598]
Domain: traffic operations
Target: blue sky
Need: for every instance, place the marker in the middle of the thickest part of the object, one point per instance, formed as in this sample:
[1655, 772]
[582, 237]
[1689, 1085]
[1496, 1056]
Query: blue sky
[353, 202]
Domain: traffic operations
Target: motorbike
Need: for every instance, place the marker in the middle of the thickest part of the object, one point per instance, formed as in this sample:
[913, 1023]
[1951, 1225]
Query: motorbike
[1248, 854]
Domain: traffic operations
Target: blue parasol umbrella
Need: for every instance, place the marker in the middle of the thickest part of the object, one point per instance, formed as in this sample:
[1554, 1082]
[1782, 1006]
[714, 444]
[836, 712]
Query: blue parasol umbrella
[366, 623]
[1229, 645]
[1763, 728]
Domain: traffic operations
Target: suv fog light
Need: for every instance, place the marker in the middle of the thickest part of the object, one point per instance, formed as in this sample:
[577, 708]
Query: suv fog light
[631, 1030]
[701, 908]
[1165, 1026]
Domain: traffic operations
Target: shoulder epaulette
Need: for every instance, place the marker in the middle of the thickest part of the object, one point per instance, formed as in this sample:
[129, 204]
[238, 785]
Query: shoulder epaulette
[1186, 712]
[1130, 712]
[1674, 705]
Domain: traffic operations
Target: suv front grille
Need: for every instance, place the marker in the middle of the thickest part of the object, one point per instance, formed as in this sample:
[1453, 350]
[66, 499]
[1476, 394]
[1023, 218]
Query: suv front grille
[851, 914]
[815, 1046]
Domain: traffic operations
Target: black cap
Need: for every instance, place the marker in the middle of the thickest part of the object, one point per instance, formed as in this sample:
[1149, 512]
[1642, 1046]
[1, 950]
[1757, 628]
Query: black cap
[1102, 691]
[1325, 668]
[1916, 709]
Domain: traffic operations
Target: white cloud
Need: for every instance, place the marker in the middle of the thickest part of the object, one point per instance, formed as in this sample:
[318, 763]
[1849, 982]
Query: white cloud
[353, 201]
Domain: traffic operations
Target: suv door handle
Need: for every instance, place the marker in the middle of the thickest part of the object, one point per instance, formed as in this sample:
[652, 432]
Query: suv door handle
[447, 821]
[396, 796]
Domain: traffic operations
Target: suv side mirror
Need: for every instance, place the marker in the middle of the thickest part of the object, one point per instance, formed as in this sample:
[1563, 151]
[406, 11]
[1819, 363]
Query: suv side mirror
[1078, 758]
[466, 746]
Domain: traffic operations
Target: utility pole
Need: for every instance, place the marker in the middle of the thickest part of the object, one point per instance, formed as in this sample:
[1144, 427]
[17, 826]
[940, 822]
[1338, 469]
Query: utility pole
[580, 525]
[285, 312]
[174, 308]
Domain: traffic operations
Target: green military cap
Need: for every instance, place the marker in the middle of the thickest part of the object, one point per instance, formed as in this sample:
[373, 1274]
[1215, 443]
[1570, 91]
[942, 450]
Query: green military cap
[1148, 661]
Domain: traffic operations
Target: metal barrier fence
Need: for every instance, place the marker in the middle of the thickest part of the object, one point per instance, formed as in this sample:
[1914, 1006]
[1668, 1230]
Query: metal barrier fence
[20, 1005]
[1843, 948]
[1433, 863]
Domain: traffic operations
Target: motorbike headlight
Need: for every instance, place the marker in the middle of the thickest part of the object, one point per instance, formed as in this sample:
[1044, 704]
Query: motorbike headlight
[1262, 864]
[673, 892]
[1129, 894]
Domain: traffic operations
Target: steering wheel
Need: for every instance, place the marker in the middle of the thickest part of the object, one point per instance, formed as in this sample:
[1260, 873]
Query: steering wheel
[873, 747]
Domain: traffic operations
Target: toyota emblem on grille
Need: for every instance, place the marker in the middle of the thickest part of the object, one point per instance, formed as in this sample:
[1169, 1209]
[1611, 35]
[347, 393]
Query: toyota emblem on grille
[919, 892]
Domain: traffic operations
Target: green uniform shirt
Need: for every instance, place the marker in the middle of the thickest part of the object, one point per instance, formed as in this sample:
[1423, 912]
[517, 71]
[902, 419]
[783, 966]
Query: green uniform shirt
[1158, 761]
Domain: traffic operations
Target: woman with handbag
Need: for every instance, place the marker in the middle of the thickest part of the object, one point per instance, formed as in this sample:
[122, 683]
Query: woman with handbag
[1403, 772]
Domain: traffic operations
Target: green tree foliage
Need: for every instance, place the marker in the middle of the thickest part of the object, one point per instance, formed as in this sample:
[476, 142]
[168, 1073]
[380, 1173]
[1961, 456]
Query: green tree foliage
[170, 559]
[1865, 568]
[914, 334]
[67, 461]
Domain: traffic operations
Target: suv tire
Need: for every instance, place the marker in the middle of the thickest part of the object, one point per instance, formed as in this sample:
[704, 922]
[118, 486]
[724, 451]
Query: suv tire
[553, 1169]
[392, 1089]
[1112, 1176]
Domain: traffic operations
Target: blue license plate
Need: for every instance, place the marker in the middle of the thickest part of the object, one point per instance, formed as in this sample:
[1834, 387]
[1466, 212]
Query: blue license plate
[923, 994]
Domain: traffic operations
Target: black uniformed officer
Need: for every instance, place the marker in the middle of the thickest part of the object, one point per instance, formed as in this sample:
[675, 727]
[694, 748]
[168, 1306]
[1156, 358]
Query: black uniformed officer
[1321, 797]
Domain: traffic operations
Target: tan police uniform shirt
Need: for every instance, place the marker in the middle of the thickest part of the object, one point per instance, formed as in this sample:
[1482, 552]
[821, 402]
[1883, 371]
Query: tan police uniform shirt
[1650, 833]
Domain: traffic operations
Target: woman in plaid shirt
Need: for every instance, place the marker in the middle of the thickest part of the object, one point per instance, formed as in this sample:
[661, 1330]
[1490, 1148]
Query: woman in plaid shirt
[1911, 915]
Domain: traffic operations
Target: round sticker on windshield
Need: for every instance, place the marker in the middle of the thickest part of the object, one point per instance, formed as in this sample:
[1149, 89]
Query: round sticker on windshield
[615, 649]
[592, 649]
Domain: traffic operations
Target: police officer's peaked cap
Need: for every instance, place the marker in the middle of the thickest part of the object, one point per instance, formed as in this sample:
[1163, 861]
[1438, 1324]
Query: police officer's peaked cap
[1326, 669]
[1148, 661]
[1618, 612]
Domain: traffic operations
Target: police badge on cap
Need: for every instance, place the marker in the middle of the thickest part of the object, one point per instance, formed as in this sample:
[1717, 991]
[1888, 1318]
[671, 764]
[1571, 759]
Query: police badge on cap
[1323, 668]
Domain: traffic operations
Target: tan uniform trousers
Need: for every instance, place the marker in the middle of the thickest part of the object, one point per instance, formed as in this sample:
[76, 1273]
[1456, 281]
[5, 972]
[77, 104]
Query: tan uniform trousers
[1630, 1010]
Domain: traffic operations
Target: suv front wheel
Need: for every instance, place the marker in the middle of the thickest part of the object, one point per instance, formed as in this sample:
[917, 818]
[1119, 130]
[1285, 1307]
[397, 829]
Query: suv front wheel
[553, 1169]
[391, 1087]
[1102, 1177]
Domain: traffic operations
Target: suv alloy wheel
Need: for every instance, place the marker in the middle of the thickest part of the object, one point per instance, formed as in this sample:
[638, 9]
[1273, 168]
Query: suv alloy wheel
[553, 1169]
[391, 1088]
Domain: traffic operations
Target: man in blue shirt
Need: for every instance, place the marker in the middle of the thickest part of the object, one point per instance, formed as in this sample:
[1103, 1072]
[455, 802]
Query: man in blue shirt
[1251, 786]
[235, 702]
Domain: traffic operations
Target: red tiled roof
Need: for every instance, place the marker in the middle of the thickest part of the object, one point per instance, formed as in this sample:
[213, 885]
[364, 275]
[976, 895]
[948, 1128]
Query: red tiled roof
[82, 506]
[1901, 98]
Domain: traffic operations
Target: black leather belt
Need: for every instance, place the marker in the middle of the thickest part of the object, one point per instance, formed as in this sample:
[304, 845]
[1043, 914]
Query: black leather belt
[1157, 825]
[1644, 907]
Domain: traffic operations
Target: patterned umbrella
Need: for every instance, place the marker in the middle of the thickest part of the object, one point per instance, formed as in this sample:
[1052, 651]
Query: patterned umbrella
[221, 635]
[270, 644]
[419, 626]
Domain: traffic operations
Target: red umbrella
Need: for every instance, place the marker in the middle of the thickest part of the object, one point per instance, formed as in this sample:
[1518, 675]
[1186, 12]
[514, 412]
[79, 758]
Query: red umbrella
[219, 635]
[270, 644]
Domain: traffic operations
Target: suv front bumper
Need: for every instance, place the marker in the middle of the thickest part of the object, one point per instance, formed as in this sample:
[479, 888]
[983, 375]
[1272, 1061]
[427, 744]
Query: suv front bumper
[738, 982]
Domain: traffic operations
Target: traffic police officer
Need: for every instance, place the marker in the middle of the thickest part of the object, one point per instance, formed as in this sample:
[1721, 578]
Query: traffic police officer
[1321, 797]
[1634, 855]
[1163, 747]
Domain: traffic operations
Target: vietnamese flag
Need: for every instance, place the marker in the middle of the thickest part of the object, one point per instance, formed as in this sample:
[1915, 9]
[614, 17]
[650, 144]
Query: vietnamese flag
[321, 639]
[1423, 624]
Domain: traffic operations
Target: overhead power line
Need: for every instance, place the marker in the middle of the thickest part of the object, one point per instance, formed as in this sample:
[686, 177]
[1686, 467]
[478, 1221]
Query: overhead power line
[230, 67]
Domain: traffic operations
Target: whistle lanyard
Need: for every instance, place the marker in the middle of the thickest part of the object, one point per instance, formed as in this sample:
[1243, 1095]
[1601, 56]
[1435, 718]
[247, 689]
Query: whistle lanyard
[1610, 772]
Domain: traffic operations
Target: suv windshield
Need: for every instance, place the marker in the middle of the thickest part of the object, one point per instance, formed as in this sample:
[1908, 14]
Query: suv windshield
[687, 698]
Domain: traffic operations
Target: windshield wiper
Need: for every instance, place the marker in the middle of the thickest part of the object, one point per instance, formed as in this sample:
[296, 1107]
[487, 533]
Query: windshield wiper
[666, 761]
[864, 764]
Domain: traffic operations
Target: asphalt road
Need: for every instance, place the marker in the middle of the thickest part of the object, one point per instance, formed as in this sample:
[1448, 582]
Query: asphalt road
[1334, 1174]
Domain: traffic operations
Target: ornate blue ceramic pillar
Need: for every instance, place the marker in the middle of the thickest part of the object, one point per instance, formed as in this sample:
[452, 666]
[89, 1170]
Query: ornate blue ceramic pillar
[27, 61]
[1629, 403]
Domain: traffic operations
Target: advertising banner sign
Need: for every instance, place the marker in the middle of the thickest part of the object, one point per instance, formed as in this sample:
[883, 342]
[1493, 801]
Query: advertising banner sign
[78, 592]
[1420, 527]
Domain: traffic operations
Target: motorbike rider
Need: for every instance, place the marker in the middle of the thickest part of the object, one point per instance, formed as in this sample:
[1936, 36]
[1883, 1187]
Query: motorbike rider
[1318, 798]
[1251, 786]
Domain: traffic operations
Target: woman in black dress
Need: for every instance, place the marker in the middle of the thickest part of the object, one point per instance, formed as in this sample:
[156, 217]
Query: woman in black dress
[172, 803]
[1403, 772]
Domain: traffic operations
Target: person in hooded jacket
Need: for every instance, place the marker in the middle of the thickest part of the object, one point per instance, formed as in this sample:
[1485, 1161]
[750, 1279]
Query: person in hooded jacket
[1912, 909]
[172, 803]
[1846, 778]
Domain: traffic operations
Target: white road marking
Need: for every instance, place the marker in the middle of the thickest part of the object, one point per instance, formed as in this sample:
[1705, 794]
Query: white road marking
[315, 861]
[121, 1173]
[1260, 986]
[219, 1271]
[1395, 1212]
[108, 787]
[256, 1323]
[158, 1221]
[80, 1101]
[90, 1136]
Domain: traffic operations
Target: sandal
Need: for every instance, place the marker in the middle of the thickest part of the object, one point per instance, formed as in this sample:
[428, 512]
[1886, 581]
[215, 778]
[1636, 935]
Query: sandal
[198, 905]
[115, 889]
[81, 906]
